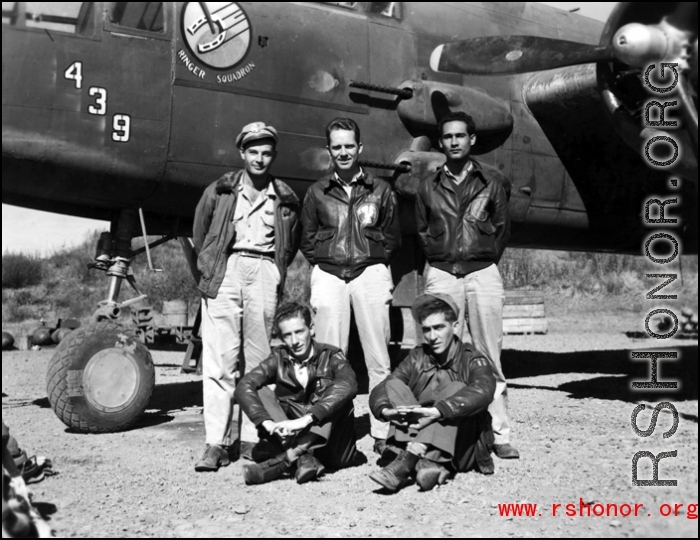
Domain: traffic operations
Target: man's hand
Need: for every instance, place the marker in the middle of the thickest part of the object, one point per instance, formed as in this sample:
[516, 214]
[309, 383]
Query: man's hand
[269, 426]
[422, 417]
[289, 428]
[399, 415]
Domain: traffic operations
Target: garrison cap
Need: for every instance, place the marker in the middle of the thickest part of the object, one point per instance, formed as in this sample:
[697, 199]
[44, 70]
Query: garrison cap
[425, 298]
[255, 131]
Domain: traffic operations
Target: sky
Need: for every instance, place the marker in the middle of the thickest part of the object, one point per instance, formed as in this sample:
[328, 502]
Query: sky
[43, 233]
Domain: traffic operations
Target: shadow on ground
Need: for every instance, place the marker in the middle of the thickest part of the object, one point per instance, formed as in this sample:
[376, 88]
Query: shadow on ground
[170, 397]
[684, 371]
[532, 363]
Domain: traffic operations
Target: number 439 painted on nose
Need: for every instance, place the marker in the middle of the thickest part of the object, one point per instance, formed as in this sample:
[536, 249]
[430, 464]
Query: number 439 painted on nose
[121, 123]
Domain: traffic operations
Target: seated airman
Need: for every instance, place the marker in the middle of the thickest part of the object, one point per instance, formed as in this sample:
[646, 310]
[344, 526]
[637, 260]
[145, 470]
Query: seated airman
[309, 419]
[437, 402]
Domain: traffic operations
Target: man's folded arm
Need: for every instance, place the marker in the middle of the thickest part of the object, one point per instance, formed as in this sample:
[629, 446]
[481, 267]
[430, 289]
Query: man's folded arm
[246, 393]
[477, 395]
[342, 389]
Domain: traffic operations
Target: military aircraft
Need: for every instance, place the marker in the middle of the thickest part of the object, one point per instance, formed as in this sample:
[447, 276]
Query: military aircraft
[125, 111]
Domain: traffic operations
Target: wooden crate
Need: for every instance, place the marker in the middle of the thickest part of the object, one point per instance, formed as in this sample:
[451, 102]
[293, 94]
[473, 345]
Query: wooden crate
[524, 313]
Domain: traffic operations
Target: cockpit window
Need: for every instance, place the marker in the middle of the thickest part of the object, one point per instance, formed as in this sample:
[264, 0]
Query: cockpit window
[385, 9]
[147, 16]
[68, 17]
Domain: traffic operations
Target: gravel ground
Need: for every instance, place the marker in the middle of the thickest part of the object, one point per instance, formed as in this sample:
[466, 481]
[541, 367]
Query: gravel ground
[570, 406]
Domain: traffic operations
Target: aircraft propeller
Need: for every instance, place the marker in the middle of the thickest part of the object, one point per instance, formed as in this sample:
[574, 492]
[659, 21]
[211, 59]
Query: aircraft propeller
[625, 43]
[636, 45]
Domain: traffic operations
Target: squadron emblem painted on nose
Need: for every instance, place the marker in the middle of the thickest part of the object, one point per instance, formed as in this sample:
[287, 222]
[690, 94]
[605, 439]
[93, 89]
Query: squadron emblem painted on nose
[218, 34]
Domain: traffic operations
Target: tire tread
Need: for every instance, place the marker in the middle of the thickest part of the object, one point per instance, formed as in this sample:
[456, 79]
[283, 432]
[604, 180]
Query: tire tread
[57, 380]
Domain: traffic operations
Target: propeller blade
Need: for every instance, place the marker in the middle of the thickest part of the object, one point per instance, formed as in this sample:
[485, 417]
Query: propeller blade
[514, 54]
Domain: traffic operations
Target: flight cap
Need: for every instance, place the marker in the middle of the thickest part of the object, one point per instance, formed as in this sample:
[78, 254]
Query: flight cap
[255, 131]
[425, 298]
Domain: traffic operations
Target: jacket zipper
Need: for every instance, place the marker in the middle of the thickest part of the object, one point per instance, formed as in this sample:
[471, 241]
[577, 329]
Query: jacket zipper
[351, 232]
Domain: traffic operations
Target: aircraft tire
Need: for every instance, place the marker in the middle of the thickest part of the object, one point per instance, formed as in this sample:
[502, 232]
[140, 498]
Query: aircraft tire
[100, 379]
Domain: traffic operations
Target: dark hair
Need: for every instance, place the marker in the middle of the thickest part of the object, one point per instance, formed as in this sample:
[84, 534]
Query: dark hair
[436, 306]
[289, 311]
[457, 116]
[342, 123]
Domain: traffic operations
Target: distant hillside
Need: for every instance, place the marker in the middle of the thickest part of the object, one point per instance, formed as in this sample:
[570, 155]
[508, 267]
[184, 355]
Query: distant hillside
[61, 286]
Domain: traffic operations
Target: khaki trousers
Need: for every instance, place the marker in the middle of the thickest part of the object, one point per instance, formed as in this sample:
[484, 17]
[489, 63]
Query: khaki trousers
[368, 296]
[482, 294]
[236, 333]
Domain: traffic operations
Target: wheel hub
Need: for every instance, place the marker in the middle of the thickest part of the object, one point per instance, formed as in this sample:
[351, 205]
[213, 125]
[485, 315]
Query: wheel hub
[111, 380]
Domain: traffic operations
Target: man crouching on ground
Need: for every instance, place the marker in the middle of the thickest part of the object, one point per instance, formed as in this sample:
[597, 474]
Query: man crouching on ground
[309, 418]
[437, 402]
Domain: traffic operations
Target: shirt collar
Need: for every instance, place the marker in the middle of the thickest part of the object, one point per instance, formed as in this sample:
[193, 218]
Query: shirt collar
[465, 173]
[355, 179]
[310, 359]
[268, 192]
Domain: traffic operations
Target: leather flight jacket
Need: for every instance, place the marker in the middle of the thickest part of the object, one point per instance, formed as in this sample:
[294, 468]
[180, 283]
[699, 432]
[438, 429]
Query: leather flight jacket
[456, 232]
[344, 234]
[214, 232]
[330, 389]
[465, 365]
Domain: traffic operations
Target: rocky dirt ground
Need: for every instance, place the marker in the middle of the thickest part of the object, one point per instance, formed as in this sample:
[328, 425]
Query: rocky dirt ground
[570, 405]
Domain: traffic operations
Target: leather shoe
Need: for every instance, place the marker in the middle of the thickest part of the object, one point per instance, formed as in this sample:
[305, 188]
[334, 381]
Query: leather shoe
[214, 457]
[486, 466]
[430, 474]
[506, 451]
[308, 468]
[398, 473]
[272, 469]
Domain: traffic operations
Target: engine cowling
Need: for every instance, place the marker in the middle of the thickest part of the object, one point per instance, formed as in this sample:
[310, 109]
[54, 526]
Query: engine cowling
[642, 37]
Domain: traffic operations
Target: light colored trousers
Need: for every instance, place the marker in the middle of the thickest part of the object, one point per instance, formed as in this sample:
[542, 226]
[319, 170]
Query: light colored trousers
[369, 297]
[483, 295]
[242, 313]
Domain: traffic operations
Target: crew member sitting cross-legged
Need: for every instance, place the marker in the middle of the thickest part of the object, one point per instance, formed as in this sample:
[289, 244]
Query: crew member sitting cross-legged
[309, 417]
[436, 401]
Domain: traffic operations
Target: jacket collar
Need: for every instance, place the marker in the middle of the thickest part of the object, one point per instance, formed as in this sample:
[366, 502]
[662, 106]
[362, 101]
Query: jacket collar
[230, 181]
[476, 172]
[285, 193]
[366, 178]
[313, 359]
[431, 364]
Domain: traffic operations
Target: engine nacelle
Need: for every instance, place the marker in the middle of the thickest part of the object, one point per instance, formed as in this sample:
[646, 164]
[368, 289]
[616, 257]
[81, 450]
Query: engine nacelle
[643, 35]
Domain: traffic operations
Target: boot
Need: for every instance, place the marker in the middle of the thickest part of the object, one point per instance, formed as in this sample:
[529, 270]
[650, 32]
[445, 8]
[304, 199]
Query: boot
[506, 451]
[214, 457]
[308, 468]
[430, 474]
[397, 474]
[272, 469]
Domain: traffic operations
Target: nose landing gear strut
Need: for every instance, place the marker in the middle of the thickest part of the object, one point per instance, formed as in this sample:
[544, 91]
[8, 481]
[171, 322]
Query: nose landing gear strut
[101, 377]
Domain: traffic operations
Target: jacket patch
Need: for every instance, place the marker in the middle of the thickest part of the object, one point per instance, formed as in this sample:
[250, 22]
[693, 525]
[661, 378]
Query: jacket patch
[479, 208]
[480, 362]
[368, 213]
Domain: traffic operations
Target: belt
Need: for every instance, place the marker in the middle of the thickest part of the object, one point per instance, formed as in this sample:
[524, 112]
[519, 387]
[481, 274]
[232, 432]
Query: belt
[254, 255]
